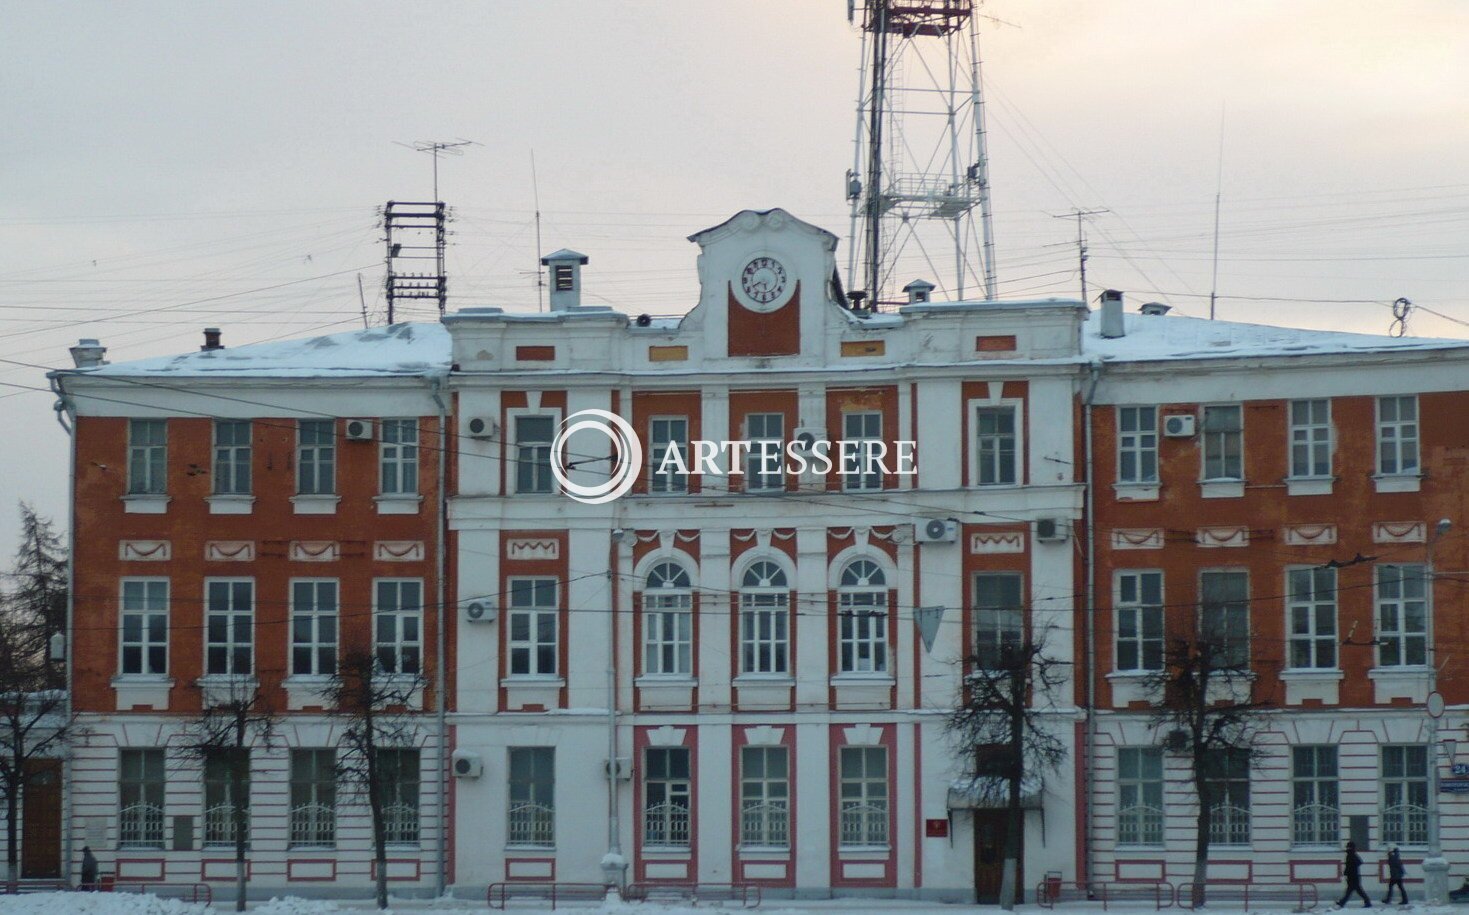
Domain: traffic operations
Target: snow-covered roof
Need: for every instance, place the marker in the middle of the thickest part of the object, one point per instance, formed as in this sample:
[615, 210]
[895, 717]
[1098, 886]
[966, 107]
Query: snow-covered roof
[398, 349]
[1156, 337]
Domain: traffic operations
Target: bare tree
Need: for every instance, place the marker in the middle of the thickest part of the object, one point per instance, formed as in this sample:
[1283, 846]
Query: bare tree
[1206, 713]
[378, 740]
[221, 740]
[1000, 728]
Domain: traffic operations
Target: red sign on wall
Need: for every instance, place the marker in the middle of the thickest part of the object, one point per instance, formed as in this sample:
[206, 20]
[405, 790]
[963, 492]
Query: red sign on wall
[936, 829]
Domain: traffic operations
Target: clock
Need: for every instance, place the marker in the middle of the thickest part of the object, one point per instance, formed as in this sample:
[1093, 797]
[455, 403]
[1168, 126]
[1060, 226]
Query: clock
[763, 280]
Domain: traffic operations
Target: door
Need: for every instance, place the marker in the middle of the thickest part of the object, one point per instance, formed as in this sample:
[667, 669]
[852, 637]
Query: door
[40, 821]
[989, 856]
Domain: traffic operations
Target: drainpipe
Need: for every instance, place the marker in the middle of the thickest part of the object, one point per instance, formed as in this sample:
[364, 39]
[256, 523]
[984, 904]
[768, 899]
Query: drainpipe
[66, 417]
[1094, 373]
[441, 846]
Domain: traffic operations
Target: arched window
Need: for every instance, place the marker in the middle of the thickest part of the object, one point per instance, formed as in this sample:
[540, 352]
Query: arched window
[862, 608]
[765, 626]
[668, 621]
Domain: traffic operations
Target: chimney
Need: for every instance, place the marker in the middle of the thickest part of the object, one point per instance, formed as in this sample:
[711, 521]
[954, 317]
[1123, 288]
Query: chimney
[211, 340]
[88, 353]
[1155, 309]
[919, 291]
[1112, 325]
[563, 277]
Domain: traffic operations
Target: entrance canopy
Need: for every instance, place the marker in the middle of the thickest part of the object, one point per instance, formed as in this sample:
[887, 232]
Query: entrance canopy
[989, 792]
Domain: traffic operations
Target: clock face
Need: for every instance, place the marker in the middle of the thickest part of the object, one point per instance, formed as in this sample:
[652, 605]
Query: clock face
[763, 280]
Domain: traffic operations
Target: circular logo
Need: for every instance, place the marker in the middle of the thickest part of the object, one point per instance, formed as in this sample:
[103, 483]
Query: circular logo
[628, 458]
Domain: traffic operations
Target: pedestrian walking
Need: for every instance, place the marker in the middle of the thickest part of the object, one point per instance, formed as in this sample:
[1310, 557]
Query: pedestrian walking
[89, 868]
[1352, 870]
[1395, 875]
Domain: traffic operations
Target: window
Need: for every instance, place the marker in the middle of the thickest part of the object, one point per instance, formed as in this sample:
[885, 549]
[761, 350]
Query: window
[398, 457]
[1405, 795]
[995, 445]
[864, 795]
[533, 796]
[140, 798]
[532, 640]
[398, 616]
[231, 457]
[999, 618]
[1137, 444]
[145, 626]
[1310, 438]
[1402, 616]
[1311, 604]
[862, 605]
[314, 627]
[399, 769]
[1397, 435]
[1315, 816]
[860, 470]
[229, 623]
[533, 435]
[1139, 621]
[1140, 796]
[765, 797]
[1223, 443]
[316, 457]
[666, 797]
[668, 622]
[219, 796]
[764, 619]
[1229, 786]
[313, 798]
[764, 474]
[665, 433]
[147, 456]
[1224, 614]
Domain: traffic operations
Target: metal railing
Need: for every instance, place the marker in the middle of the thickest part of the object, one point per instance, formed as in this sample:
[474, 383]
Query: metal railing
[745, 895]
[1315, 824]
[1051, 891]
[666, 824]
[1406, 824]
[1301, 896]
[864, 824]
[400, 824]
[313, 826]
[498, 895]
[140, 825]
[532, 824]
[1140, 824]
[219, 825]
[1229, 825]
[196, 893]
[765, 823]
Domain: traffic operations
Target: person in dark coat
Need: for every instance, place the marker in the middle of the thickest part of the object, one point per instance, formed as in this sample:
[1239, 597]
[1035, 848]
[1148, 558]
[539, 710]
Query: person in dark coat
[89, 868]
[1352, 870]
[1395, 875]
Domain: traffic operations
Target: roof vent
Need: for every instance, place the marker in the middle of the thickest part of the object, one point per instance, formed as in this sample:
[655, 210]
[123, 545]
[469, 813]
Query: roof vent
[211, 340]
[1155, 309]
[564, 277]
[88, 353]
[919, 291]
[1112, 325]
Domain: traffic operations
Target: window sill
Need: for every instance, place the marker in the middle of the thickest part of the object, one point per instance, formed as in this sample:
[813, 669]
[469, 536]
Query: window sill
[882, 678]
[757, 852]
[874, 851]
[524, 849]
[764, 680]
[679, 681]
[532, 681]
[398, 505]
[1403, 671]
[221, 688]
[306, 690]
[1136, 492]
[315, 505]
[1221, 489]
[1397, 482]
[145, 504]
[134, 690]
[1308, 674]
[1126, 675]
[230, 504]
[1309, 486]
[668, 851]
[1007, 485]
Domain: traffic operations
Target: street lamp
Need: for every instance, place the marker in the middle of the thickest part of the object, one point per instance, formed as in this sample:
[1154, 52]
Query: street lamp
[1435, 867]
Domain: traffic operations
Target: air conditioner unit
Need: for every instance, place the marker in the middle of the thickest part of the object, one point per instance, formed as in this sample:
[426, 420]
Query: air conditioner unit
[624, 768]
[1051, 530]
[1180, 425]
[467, 764]
[936, 530]
[359, 430]
[479, 610]
[482, 427]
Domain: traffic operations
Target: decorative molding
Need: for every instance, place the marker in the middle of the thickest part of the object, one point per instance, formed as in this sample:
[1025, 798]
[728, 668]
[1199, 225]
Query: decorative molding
[229, 551]
[667, 736]
[1236, 535]
[144, 550]
[398, 550]
[1399, 532]
[533, 548]
[863, 735]
[314, 551]
[1147, 538]
[764, 736]
[997, 542]
[1310, 534]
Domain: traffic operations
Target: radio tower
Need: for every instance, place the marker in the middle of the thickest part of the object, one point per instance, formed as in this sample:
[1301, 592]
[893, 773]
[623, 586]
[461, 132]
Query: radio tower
[920, 168]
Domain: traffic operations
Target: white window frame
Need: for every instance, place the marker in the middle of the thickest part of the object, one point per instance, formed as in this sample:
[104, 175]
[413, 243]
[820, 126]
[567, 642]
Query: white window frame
[231, 471]
[668, 621]
[402, 794]
[1136, 617]
[765, 799]
[533, 453]
[765, 619]
[1139, 443]
[397, 625]
[1140, 802]
[672, 482]
[1404, 786]
[1392, 598]
[861, 472]
[863, 799]
[1399, 437]
[1309, 438]
[862, 612]
[232, 615]
[147, 460]
[141, 824]
[977, 442]
[312, 798]
[1311, 618]
[1212, 440]
[1234, 610]
[320, 456]
[219, 804]
[997, 627]
[148, 640]
[1318, 822]
[531, 808]
[1230, 822]
[663, 826]
[768, 483]
[529, 617]
[398, 456]
[321, 649]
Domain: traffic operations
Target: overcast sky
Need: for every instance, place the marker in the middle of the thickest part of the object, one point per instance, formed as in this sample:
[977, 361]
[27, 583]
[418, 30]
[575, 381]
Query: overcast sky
[167, 166]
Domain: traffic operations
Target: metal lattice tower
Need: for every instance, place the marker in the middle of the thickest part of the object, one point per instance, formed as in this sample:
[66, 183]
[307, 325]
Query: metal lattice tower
[920, 166]
[416, 234]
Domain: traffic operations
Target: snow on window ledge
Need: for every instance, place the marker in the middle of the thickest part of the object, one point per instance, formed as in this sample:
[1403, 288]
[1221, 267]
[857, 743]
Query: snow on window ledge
[1397, 482]
[145, 504]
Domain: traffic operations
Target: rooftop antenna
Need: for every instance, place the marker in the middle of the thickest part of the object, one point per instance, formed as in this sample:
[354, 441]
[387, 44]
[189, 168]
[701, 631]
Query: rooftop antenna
[1079, 215]
[1218, 193]
[418, 231]
[535, 187]
[438, 148]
